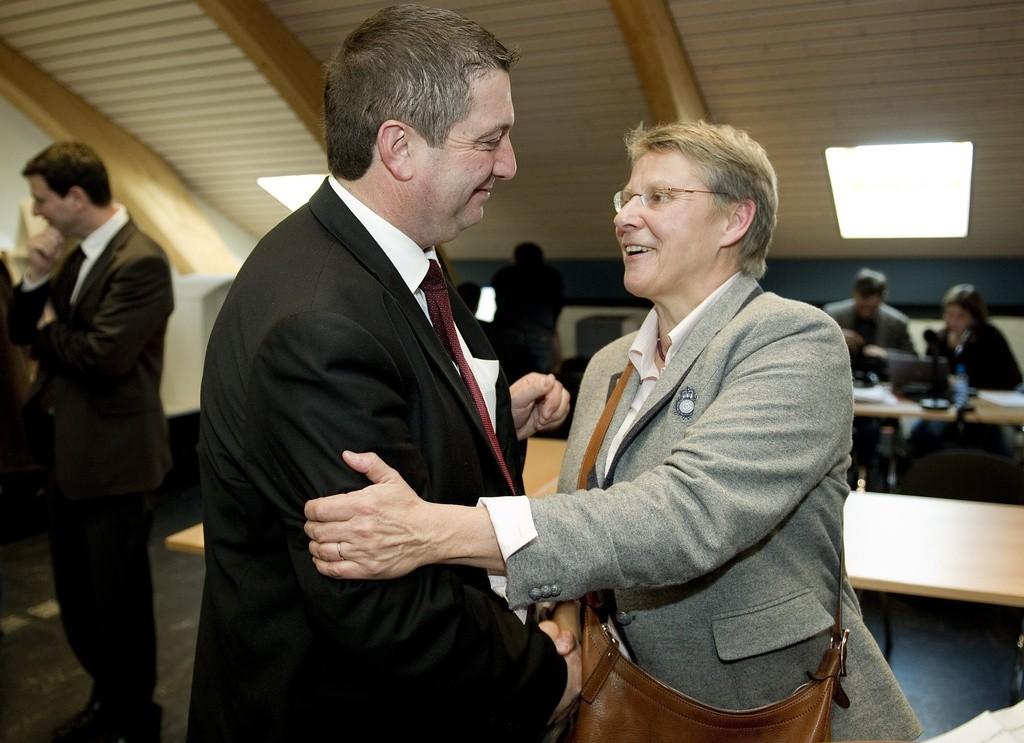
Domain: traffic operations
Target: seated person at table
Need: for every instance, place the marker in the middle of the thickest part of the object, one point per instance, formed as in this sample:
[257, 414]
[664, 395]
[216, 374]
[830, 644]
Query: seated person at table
[969, 340]
[870, 326]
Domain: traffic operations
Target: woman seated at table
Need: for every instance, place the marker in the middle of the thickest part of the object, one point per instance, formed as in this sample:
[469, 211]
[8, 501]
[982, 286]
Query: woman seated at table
[714, 509]
[972, 341]
[969, 340]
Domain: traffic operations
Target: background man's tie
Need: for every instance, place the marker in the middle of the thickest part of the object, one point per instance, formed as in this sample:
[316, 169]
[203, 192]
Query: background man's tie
[69, 275]
[436, 292]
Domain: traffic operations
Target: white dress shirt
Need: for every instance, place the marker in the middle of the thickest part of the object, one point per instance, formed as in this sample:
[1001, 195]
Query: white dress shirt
[512, 518]
[410, 260]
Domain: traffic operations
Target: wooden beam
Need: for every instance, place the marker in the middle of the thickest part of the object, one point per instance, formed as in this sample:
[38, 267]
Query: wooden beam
[294, 72]
[142, 180]
[659, 58]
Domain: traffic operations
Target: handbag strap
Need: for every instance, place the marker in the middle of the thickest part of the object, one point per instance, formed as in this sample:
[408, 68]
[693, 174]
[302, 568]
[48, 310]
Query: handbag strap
[597, 438]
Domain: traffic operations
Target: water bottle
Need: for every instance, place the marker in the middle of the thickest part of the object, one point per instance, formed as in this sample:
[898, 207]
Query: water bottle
[961, 387]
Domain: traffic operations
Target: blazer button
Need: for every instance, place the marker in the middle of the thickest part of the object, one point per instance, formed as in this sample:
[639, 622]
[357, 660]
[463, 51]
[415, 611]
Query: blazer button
[624, 618]
[536, 594]
[556, 590]
[546, 592]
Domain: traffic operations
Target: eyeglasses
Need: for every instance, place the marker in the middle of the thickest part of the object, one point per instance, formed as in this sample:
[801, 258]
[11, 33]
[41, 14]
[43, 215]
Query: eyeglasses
[654, 199]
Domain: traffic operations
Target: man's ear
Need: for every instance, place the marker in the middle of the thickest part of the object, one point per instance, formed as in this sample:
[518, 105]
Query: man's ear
[394, 146]
[741, 215]
[78, 197]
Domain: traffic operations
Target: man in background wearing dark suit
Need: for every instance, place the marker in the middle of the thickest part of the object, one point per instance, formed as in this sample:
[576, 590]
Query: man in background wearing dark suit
[870, 326]
[331, 340]
[871, 329]
[95, 321]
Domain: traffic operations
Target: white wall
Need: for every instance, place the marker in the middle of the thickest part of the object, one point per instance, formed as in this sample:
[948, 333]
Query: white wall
[197, 300]
[20, 141]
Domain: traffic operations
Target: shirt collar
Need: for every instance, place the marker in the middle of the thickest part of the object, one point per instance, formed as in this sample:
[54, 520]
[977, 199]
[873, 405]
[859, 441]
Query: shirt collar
[94, 243]
[644, 349]
[408, 258]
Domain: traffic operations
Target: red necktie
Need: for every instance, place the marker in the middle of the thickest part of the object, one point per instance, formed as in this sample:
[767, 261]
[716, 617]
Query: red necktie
[436, 292]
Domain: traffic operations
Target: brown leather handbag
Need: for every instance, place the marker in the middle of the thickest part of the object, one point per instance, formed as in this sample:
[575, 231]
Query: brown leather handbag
[621, 702]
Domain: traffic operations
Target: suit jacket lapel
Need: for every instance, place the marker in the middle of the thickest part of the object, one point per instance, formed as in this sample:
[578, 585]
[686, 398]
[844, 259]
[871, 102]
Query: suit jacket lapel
[99, 268]
[332, 213]
[716, 317]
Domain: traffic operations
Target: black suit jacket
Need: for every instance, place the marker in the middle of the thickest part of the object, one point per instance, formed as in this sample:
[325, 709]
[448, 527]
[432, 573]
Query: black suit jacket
[320, 347]
[103, 359]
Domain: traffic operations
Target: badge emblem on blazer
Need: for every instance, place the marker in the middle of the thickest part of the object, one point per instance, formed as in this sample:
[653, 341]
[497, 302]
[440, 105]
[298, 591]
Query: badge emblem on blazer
[687, 402]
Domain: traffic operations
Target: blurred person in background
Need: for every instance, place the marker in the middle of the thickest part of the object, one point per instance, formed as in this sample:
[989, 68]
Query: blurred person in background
[528, 297]
[968, 340]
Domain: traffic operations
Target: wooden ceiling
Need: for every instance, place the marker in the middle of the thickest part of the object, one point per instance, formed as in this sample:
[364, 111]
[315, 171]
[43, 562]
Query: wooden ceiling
[799, 75]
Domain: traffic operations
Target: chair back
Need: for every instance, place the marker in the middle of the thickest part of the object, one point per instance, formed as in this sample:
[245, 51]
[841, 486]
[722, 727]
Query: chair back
[966, 474]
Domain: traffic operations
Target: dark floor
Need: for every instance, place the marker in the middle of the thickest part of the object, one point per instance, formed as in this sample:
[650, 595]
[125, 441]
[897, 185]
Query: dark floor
[953, 659]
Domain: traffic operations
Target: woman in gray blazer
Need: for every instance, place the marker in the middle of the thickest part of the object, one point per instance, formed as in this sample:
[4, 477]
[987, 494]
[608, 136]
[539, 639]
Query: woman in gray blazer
[715, 508]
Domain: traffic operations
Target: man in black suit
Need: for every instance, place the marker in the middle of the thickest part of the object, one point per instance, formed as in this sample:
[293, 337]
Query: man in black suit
[325, 344]
[96, 323]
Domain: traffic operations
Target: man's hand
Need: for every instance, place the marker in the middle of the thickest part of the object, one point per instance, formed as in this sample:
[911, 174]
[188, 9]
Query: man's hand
[539, 403]
[49, 315]
[872, 351]
[568, 647]
[381, 531]
[854, 340]
[44, 251]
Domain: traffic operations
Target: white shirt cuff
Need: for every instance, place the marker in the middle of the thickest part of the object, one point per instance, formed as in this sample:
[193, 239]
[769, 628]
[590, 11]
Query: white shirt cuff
[512, 521]
[27, 285]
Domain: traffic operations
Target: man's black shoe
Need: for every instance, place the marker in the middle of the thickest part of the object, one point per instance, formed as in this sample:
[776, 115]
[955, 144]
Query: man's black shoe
[85, 727]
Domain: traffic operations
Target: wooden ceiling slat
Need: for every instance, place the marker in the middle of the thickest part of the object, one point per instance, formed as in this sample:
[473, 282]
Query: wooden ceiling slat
[839, 27]
[96, 11]
[140, 96]
[214, 110]
[172, 66]
[12, 9]
[165, 81]
[165, 51]
[226, 125]
[146, 16]
[83, 46]
[294, 73]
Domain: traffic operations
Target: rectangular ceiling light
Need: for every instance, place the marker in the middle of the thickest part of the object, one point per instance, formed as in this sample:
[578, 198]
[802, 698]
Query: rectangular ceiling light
[291, 190]
[902, 190]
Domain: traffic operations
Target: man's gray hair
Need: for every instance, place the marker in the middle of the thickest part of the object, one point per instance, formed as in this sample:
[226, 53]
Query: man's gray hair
[729, 161]
[409, 63]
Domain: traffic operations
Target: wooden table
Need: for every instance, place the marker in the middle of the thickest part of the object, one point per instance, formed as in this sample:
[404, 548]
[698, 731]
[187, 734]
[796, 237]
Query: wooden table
[540, 477]
[984, 411]
[950, 549]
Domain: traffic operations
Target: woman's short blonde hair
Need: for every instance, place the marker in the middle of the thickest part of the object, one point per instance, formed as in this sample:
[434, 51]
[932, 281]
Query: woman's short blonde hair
[728, 161]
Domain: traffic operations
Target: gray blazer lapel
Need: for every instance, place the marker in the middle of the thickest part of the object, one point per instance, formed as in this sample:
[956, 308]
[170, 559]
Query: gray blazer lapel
[713, 320]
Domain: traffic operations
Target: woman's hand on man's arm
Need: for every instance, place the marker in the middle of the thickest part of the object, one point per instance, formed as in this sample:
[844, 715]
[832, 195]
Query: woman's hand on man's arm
[385, 530]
